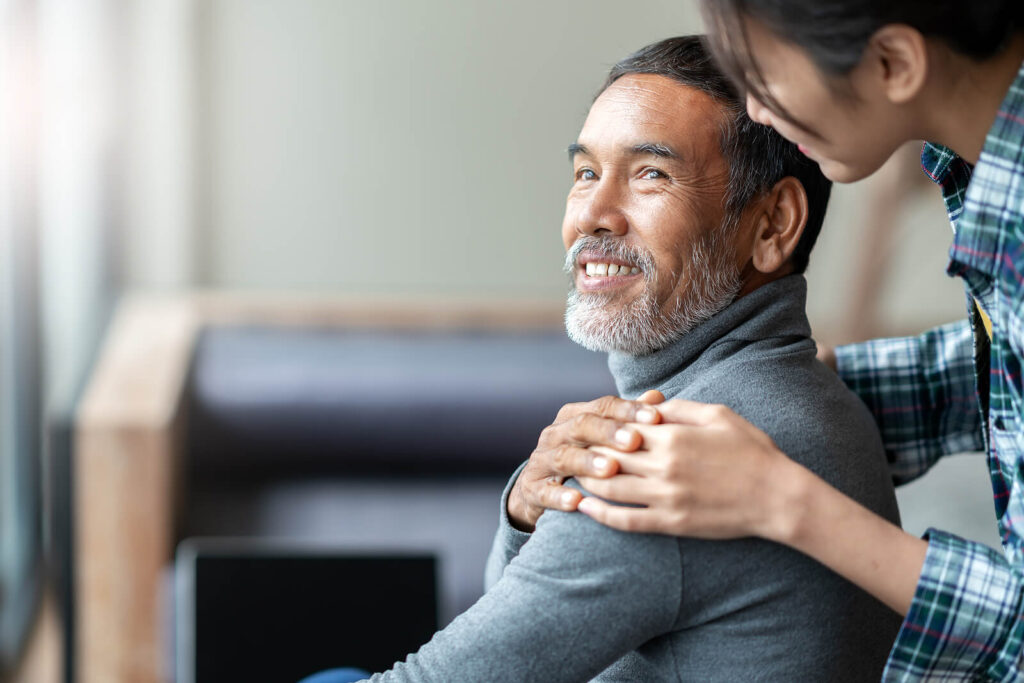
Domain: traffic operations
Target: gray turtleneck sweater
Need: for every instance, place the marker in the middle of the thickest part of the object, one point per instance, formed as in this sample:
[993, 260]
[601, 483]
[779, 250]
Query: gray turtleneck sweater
[581, 601]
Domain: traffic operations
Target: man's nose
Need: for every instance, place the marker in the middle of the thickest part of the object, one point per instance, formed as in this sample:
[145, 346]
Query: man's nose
[757, 111]
[602, 211]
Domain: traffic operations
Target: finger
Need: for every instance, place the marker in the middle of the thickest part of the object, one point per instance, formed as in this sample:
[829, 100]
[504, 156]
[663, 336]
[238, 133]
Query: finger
[574, 461]
[570, 410]
[625, 488]
[638, 462]
[623, 519]
[670, 435]
[721, 434]
[589, 429]
[681, 411]
[620, 409]
[558, 497]
[652, 396]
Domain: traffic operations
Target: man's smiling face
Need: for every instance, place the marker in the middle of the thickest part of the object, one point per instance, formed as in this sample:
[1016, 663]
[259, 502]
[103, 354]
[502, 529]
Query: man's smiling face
[648, 253]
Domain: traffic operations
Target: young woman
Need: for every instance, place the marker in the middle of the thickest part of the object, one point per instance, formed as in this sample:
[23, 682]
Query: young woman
[850, 81]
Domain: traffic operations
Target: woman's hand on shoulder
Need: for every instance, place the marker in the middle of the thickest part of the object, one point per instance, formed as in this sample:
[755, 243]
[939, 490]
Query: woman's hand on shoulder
[704, 472]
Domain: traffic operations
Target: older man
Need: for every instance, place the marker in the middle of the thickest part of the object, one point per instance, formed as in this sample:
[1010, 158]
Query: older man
[687, 228]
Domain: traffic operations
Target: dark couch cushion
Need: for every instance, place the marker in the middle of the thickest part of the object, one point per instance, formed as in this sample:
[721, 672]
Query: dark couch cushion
[278, 401]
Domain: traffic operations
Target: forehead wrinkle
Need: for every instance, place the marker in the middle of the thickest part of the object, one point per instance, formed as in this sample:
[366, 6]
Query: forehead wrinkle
[683, 118]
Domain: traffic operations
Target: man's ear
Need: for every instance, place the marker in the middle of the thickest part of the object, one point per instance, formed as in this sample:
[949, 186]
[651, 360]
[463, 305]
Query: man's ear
[897, 58]
[783, 215]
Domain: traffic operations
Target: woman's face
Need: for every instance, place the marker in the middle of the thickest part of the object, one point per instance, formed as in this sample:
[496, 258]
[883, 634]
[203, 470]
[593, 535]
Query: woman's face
[850, 134]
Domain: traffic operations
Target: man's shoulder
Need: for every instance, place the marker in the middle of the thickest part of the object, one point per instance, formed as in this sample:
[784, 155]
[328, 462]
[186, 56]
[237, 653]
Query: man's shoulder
[784, 388]
[809, 413]
[572, 548]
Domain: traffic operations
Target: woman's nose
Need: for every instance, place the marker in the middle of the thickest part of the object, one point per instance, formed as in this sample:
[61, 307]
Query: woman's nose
[757, 111]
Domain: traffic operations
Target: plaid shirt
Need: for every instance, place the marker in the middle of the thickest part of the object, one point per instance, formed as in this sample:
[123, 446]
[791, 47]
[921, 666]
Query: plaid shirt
[966, 621]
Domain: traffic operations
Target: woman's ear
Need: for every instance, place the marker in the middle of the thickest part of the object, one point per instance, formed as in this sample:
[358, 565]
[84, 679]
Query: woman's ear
[897, 57]
[783, 215]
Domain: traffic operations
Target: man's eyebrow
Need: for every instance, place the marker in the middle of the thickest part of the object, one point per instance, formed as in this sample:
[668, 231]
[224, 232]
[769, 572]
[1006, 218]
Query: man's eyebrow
[656, 149]
[652, 148]
[576, 148]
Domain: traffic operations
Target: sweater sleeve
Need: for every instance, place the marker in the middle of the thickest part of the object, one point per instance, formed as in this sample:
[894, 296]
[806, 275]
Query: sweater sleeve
[567, 606]
[507, 540]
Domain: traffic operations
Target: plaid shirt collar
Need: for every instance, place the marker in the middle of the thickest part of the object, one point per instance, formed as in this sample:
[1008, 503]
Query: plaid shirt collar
[975, 242]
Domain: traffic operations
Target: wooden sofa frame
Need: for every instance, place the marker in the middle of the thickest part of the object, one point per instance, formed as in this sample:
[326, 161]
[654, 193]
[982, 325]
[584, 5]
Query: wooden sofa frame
[127, 453]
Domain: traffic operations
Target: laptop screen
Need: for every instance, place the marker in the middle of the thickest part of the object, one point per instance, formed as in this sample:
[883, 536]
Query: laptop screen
[260, 613]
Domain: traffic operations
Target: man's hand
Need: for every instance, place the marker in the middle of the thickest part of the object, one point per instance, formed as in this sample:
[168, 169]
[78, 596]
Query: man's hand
[563, 451]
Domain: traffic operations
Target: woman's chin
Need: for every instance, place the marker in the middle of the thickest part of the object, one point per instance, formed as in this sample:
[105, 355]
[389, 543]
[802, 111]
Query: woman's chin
[839, 172]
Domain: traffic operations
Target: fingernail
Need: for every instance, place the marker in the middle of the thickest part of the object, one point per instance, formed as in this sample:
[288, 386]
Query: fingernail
[624, 437]
[601, 464]
[586, 506]
[568, 498]
[648, 415]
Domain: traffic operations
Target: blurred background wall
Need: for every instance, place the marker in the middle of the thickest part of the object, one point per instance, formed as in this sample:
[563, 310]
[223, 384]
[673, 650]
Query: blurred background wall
[342, 147]
[419, 149]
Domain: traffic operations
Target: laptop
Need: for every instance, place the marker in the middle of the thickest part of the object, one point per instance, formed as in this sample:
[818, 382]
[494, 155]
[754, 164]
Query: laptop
[264, 610]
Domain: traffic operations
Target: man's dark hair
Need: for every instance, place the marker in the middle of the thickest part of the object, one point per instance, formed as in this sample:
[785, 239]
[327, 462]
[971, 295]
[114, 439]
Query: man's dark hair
[757, 156]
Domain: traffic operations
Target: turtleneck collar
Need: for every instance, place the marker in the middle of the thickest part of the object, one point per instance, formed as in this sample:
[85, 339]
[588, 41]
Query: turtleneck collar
[775, 310]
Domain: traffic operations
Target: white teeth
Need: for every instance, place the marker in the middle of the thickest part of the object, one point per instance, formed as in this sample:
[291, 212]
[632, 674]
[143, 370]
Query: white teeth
[610, 270]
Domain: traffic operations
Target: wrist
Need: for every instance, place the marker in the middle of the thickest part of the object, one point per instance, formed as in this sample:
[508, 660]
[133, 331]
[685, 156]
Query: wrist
[791, 487]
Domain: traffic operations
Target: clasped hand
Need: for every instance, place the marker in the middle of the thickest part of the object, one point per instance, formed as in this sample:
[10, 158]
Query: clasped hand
[696, 469]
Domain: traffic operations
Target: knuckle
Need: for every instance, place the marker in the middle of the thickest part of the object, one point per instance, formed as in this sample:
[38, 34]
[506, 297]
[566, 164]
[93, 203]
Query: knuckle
[605, 406]
[548, 435]
[531, 471]
[549, 496]
[672, 469]
[679, 499]
[676, 441]
[628, 523]
[567, 411]
[559, 457]
[678, 520]
[580, 423]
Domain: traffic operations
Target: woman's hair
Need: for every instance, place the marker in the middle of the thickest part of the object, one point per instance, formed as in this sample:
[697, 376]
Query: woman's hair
[834, 33]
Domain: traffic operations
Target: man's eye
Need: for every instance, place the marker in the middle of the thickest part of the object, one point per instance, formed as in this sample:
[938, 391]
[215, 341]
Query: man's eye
[652, 174]
[585, 174]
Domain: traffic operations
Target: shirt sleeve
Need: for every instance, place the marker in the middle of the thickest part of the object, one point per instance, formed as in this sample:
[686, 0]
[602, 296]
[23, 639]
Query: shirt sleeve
[922, 392]
[567, 606]
[966, 621]
[507, 540]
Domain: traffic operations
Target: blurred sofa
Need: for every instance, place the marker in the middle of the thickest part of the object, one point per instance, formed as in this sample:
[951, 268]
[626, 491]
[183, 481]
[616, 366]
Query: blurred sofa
[376, 426]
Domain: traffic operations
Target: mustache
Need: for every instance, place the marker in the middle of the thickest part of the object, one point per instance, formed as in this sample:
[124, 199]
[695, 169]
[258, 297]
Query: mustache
[612, 247]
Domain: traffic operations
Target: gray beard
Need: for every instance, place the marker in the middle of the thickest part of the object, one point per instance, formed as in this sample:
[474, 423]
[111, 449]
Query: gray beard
[598, 322]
